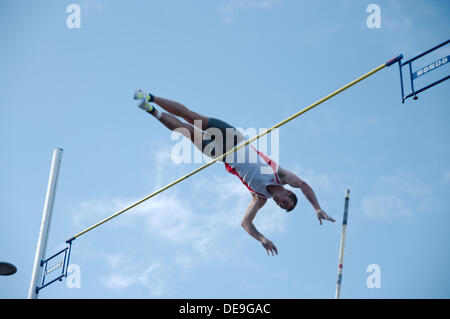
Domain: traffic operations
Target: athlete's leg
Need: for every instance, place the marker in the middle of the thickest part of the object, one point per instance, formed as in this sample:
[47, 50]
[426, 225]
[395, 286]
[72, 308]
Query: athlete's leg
[180, 110]
[189, 116]
[201, 122]
[173, 123]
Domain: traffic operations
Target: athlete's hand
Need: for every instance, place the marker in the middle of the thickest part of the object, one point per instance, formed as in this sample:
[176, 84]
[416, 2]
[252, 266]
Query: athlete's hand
[269, 246]
[322, 215]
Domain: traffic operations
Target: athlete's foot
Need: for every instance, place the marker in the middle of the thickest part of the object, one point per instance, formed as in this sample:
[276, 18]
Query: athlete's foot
[145, 105]
[141, 94]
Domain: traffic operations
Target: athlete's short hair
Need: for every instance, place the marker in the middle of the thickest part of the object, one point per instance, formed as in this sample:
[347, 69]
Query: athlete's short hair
[293, 197]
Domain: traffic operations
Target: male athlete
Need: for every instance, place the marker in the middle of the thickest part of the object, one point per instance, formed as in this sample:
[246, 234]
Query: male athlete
[264, 178]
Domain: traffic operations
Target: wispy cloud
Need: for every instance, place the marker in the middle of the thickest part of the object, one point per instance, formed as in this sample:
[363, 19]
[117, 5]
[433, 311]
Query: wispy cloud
[383, 206]
[403, 184]
[398, 196]
[228, 9]
[322, 182]
[201, 223]
[183, 219]
[129, 274]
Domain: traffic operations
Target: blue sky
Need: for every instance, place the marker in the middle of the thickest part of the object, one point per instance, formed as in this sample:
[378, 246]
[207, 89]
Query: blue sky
[251, 63]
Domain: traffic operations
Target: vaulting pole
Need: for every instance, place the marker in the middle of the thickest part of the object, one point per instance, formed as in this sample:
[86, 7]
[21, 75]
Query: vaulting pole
[341, 250]
[345, 87]
[45, 224]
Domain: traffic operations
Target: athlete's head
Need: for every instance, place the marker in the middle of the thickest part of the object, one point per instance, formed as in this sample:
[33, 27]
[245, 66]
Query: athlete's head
[285, 199]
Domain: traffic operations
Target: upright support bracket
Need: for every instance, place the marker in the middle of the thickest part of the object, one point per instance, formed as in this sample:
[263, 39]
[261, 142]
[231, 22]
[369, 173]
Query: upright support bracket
[63, 264]
[413, 75]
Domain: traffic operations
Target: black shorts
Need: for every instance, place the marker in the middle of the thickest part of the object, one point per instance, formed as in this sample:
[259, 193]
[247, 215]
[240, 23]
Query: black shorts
[231, 138]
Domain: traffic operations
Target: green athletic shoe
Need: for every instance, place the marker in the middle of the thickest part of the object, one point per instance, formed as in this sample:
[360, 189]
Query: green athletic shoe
[140, 94]
[144, 99]
[145, 105]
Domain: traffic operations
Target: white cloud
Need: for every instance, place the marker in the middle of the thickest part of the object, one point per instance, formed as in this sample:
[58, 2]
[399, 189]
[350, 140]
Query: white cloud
[151, 279]
[228, 9]
[117, 260]
[403, 184]
[128, 275]
[321, 182]
[126, 272]
[118, 281]
[399, 196]
[200, 223]
[91, 210]
[382, 206]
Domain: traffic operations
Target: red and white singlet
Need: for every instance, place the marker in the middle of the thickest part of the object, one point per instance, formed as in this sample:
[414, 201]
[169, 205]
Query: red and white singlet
[255, 170]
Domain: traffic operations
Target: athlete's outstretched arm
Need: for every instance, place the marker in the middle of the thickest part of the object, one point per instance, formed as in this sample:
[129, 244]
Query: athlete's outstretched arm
[287, 177]
[247, 223]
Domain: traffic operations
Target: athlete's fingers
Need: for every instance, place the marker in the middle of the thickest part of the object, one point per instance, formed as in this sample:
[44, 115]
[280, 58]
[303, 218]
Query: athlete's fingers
[331, 219]
[276, 250]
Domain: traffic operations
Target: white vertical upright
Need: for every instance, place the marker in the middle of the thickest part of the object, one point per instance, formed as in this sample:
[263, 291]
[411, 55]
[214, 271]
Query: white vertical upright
[341, 250]
[45, 223]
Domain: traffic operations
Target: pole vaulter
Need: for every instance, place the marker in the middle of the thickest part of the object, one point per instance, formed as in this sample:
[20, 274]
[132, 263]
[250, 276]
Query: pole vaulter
[65, 253]
[290, 118]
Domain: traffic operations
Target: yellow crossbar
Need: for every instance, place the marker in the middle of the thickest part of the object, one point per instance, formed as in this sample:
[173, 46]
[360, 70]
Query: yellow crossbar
[231, 151]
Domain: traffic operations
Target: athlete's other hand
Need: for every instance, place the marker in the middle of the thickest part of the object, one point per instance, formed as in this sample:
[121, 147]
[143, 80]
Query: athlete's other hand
[269, 246]
[322, 215]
